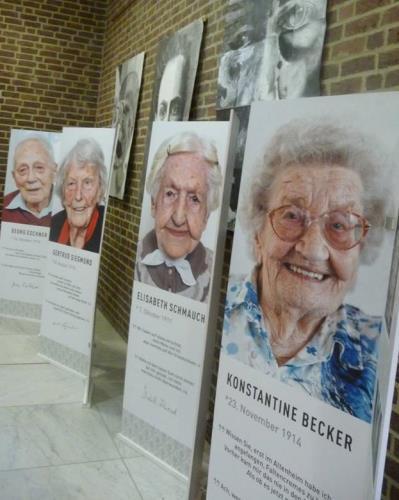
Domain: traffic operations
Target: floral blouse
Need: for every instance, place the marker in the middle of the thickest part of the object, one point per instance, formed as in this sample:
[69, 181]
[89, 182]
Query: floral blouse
[337, 366]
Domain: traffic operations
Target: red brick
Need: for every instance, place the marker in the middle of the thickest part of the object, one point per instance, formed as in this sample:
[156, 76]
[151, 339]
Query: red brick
[358, 65]
[363, 6]
[392, 467]
[389, 58]
[329, 71]
[395, 422]
[394, 492]
[331, 17]
[393, 35]
[349, 86]
[392, 79]
[362, 25]
[373, 82]
[375, 40]
[391, 15]
[345, 12]
[333, 34]
[348, 47]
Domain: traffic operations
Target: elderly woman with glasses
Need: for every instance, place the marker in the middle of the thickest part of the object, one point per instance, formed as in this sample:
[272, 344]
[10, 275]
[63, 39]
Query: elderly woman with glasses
[315, 207]
[81, 184]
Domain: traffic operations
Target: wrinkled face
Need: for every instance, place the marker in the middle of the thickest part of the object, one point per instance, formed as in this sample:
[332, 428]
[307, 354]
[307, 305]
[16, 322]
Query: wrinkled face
[170, 100]
[81, 194]
[126, 123]
[126, 107]
[180, 207]
[34, 174]
[309, 275]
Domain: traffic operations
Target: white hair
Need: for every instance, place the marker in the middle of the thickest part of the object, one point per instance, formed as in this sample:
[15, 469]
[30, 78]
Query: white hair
[321, 144]
[46, 144]
[85, 152]
[188, 142]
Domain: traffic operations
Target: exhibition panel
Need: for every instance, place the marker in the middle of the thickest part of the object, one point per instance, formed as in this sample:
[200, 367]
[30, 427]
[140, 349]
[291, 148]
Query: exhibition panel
[74, 248]
[180, 239]
[308, 359]
[244, 288]
[28, 200]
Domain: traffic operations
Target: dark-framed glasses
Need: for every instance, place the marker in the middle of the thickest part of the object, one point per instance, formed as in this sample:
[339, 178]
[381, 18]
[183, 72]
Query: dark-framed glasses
[341, 229]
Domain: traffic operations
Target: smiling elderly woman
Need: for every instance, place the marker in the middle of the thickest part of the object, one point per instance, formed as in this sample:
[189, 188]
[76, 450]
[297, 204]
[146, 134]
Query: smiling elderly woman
[314, 209]
[81, 185]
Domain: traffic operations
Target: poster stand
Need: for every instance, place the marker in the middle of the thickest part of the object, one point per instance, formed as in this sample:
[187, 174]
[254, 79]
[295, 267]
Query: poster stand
[68, 317]
[172, 337]
[282, 428]
[25, 222]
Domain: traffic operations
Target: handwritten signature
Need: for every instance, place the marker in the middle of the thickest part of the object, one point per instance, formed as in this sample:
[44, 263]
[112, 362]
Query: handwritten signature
[31, 286]
[65, 326]
[155, 400]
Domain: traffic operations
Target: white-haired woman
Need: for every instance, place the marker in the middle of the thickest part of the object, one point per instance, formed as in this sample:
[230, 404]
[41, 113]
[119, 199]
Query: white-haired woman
[81, 184]
[184, 184]
[314, 209]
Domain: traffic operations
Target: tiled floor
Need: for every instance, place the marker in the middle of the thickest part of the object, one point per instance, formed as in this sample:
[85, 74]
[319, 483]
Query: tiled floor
[51, 447]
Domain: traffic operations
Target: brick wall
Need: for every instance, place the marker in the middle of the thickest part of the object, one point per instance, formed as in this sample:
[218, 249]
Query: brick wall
[52, 74]
[134, 27]
[361, 54]
[50, 60]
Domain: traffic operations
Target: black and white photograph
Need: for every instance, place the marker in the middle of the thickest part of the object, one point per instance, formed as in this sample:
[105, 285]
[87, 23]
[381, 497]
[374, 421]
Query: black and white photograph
[272, 50]
[175, 72]
[242, 114]
[127, 90]
[393, 282]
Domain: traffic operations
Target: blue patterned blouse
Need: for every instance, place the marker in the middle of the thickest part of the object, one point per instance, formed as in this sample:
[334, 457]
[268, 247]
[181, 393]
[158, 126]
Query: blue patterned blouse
[338, 365]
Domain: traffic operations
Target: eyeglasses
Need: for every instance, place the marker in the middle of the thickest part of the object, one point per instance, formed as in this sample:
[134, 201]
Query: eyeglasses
[297, 13]
[342, 230]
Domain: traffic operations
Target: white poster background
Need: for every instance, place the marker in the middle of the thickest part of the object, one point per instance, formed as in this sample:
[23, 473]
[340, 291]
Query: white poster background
[23, 252]
[375, 115]
[213, 131]
[70, 296]
[368, 298]
[72, 273]
[260, 452]
[164, 365]
[166, 349]
[23, 247]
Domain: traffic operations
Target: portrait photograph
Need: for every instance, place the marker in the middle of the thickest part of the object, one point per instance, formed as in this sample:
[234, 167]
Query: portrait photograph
[312, 248]
[30, 177]
[181, 207]
[127, 91]
[175, 72]
[272, 50]
[81, 188]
